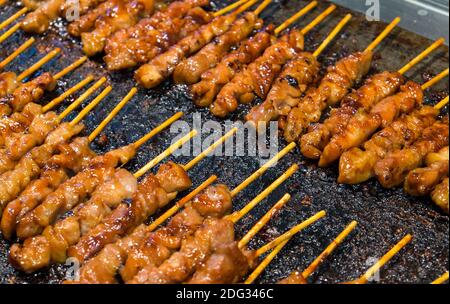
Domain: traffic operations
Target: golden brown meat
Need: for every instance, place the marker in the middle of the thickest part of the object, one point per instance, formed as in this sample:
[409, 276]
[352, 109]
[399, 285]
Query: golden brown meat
[29, 166]
[122, 15]
[297, 75]
[154, 35]
[190, 69]
[295, 277]
[73, 192]
[69, 158]
[39, 20]
[356, 165]
[213, 80]
[393, 169]
[440, 195]
[339, 79]
[373, 91]
[8, 83]
[257, 78]
[422, 181]
[162, 66]
[153, 193]
[364, 124]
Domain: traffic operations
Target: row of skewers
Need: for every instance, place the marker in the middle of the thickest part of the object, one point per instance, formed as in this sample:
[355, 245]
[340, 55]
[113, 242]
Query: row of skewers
[114, 239]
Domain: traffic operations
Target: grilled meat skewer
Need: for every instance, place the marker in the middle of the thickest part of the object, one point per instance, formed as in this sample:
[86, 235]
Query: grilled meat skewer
[357, 166]
[374, 90]
[422, 181]
[190, 69]
[364, 124]
[393, 169]
[257, 78]
[213, 80]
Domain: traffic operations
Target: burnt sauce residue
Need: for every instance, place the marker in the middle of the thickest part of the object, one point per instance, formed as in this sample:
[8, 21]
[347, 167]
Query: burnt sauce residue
[384, 216]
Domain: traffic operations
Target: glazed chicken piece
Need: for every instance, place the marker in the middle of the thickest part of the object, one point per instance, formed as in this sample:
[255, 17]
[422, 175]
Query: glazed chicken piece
[192, 255]
[73, 192]
[393, 169]
[56, 239]
[8, 83]
[257, 78]
[364, 124]
[422, 181]
[39, 20]
[356, 165]
[297, 75]
[214, 202]
[334, 86]
[153, 193]
[23, 94]
[373, 91]
[104, 267]
[29, 166]
[440, 195]
[159, 68]
[19, 121]
[122, 15]
[32, 4]
[154, 35]
[227, 265]
[190, 69]
[213, 80]
[70, 157]
[18, 144]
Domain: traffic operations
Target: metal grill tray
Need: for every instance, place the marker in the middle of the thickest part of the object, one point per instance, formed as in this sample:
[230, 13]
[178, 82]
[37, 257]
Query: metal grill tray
[384, 216]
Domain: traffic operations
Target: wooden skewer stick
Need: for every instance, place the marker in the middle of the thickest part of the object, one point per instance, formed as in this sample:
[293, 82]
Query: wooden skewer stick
[229, 8]
[318, 19]
[244, 7]
[287, 235]
[422, 55]
[112, 114]
[9, 32]
[314, 265]
[262, 7]
[13, 18]
[70, 68]
[67, 93]
[329, 250]
[38, 64]
[91, 105]
[332, 35]
[442, 103]
[383, 35]
[435, 79]
[295, 17]
[17, 52]
[81, 99]
[249, 180]
[441, 280]
[263, 169]
[178, 205]
[166, 153]
[364, 279]
[237, 215]
[157, 130]
[264, 220]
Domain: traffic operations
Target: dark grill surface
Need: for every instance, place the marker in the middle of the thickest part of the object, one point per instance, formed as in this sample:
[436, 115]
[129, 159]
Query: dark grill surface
[384, 216]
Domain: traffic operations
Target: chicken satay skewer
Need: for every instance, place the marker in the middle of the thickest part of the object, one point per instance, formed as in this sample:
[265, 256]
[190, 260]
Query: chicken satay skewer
[373, 91]
[20, 121]
[294, 79]
[364, 124]
[301, 277]
[15, 210]
[257, 78]
[214, 79]
[441, 280]
[365, 278]
[13, 18]
[159, 68]
[233, 192]
[16, 52]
